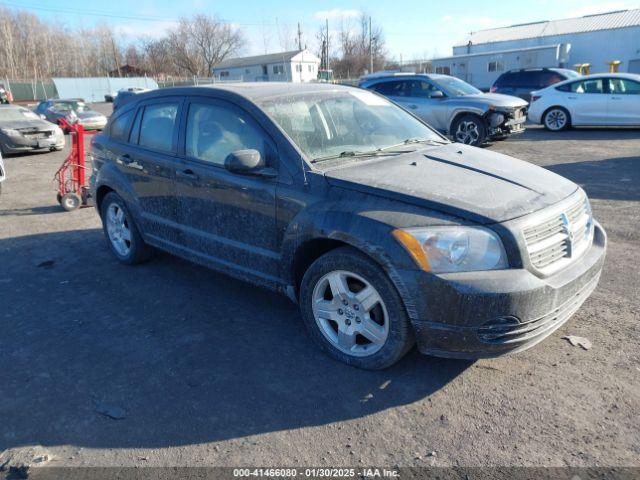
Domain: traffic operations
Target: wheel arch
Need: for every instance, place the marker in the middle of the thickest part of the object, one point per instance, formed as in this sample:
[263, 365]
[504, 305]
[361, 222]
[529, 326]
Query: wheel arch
[102, 192]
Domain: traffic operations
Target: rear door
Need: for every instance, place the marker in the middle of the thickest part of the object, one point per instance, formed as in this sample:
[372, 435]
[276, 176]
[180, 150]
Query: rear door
[227, 218]
[624, 101]
[148, 157]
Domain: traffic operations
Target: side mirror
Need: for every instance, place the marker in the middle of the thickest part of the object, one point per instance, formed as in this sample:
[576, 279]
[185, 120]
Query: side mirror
[42, 116]
[437, 94]
[248, 162]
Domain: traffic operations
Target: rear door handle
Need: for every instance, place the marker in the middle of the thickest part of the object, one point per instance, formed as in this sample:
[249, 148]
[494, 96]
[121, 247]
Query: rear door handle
[188, 174]
[413, 106]
[572, 98]
[129, 162]
[616, 98]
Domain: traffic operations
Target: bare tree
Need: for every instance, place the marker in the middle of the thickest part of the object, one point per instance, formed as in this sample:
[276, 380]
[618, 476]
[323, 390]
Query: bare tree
[31, 48]
[200, 42]
[357, 45]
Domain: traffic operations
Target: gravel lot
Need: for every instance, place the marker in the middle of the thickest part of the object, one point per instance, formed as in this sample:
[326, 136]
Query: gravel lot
[201, 369]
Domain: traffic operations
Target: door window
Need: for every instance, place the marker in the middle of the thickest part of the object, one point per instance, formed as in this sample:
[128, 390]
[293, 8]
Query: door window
[623, 86]
[157, 126]
[583, 86]
[214, 131]
[120, 127]
[422, 89]
[391, 89]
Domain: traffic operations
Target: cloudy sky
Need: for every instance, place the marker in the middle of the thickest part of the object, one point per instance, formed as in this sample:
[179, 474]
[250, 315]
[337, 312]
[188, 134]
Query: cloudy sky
[413, 29]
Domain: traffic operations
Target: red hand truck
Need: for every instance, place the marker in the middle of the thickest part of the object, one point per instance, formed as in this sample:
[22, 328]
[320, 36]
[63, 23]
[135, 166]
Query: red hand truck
[73, 191]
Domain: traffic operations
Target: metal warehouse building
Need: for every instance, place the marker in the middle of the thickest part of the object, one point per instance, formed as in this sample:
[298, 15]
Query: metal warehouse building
[294, 66]
[596, 40]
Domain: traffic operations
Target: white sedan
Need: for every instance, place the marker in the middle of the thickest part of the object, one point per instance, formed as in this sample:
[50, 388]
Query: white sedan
[606, 99]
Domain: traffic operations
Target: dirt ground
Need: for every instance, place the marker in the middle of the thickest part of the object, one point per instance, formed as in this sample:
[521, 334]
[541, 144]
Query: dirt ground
[171, 364]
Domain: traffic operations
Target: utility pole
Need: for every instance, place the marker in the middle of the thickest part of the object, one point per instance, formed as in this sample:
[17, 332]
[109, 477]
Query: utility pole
[370, 48]
[299, 37]
[327, 22]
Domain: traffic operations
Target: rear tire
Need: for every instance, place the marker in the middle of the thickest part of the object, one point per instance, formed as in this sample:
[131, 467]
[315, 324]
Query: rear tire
[353, 311]
[556, 119]
[469, 129]
[122, 235]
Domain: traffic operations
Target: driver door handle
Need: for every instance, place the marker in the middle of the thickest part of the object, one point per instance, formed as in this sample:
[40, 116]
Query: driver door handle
[188, 174]
[413, 106]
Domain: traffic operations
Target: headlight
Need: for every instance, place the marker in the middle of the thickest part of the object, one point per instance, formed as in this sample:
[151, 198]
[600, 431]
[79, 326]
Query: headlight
[11, 132]
[453, 249]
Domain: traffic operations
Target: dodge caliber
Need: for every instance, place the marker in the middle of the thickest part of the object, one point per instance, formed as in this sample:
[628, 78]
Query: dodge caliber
[384, 232]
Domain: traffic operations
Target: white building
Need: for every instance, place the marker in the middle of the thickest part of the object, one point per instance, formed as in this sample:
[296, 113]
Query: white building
[295, 66]
[592, 39]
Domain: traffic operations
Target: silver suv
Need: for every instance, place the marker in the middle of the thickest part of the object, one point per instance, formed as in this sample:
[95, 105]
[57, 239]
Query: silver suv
[452, 106]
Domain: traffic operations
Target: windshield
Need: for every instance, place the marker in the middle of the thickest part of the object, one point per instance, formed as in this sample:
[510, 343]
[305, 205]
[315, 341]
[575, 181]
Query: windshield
[17, 114]
[456, 87]
[350, 122]
[72, 105]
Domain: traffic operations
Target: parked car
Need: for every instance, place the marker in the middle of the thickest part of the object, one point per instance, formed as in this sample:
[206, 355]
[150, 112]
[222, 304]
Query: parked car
[608, 99]
[523, 81]
[126, 94]
[453, 107]
[2, 172]
[72, 110]
[5, 95]
[21, 130]
[380, 229]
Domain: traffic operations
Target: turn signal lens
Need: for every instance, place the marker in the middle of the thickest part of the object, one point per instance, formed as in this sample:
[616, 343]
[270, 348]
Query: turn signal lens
[414, 248]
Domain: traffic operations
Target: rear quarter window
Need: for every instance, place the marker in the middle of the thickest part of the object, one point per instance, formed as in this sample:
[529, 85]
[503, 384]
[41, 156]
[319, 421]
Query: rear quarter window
[119, 129]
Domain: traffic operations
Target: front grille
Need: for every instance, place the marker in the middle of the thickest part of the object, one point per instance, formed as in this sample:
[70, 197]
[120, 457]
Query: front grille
[561, 237]
[510, 331]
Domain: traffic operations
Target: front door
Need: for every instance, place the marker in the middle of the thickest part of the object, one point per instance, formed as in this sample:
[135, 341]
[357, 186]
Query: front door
[226, 218]
[624, 101]
[587, 102]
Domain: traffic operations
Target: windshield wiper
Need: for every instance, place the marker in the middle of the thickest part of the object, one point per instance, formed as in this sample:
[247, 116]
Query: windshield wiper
[412, 141]
[349, 153]
[382, 150]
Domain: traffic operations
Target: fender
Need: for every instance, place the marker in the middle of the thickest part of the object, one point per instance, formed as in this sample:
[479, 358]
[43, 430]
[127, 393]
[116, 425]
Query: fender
[365, 225]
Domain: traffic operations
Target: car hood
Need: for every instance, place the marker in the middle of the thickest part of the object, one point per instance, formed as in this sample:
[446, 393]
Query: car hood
[18, 125]
[468, 182]
[495, 99]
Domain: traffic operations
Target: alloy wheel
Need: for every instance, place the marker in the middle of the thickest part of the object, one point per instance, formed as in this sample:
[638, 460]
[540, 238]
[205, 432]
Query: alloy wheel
[555, 119]
[118, 229]
[350, 313]
[467, 132]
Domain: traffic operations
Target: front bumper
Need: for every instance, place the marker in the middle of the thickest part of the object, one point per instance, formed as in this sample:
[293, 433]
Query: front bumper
[488, 314]
[501, 124]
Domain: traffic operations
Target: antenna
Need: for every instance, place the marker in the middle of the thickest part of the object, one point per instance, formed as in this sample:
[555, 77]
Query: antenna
[299, 37]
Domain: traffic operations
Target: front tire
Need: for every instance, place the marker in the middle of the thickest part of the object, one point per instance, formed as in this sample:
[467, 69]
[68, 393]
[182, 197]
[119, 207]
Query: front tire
[121, 232]
[470, 130]
[556, 119]
[353, 311]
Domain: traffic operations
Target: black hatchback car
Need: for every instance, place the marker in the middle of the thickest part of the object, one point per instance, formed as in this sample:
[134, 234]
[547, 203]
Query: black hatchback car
[382, 230]
[522, 82]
